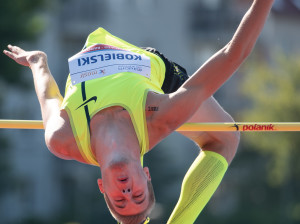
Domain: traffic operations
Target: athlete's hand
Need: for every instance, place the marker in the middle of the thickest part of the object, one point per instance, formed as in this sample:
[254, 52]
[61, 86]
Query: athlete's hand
[25, 58]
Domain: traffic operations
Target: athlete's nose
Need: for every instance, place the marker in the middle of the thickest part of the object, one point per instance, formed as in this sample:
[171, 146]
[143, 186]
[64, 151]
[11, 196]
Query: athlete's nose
[126, 191]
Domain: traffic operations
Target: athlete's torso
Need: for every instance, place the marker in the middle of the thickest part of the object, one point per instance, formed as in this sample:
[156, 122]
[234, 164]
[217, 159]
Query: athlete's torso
[116, 90]
[70, 149]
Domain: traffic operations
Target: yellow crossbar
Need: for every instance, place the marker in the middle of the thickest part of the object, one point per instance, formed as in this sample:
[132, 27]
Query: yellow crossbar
[240, 126]
[22, 124]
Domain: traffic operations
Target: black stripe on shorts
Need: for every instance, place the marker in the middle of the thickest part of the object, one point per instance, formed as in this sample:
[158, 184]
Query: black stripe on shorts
[175, 74]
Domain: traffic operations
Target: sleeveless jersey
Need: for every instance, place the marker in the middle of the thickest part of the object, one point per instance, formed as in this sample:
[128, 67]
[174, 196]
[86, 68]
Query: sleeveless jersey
[110, 72]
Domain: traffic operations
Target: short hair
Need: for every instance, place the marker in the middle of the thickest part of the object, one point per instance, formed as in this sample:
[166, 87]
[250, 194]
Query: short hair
[133, 219]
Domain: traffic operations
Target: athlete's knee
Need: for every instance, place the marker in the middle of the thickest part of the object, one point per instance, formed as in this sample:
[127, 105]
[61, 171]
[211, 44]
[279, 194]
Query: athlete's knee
[228, 145]
[231, 141]
[232, 144]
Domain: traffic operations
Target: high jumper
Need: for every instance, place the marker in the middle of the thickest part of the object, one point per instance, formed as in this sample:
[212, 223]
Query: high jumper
[122, 100]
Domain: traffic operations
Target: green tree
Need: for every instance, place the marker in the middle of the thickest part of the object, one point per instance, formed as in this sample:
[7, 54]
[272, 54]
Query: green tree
[273, 92]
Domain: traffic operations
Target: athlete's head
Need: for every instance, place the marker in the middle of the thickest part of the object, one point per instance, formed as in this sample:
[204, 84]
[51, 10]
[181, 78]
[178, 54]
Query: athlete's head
[134, 218]
[128, 191]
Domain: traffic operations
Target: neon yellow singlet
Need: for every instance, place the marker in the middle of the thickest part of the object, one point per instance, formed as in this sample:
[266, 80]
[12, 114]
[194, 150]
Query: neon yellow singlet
[126, 89]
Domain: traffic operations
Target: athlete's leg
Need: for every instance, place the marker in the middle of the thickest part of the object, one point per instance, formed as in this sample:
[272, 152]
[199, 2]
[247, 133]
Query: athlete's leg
[224, 143]
[208, 169]
[210, 111]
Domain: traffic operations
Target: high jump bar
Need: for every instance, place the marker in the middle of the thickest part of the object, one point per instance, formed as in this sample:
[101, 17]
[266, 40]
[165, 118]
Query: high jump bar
[239, 126]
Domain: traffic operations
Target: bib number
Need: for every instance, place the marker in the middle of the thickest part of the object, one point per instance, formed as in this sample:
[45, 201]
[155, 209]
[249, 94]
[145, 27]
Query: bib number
[102, 60]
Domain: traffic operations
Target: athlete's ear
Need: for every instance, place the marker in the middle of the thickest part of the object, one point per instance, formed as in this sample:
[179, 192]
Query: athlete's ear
[146, 170]
[100, 185]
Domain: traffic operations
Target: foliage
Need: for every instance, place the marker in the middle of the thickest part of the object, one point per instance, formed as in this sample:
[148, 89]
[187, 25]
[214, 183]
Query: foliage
[19, 21]
[276, 91]
[273, 91]
[262, 184]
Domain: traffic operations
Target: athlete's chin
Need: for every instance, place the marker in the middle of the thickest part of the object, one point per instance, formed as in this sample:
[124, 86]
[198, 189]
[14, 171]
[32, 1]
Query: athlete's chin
[118, 163]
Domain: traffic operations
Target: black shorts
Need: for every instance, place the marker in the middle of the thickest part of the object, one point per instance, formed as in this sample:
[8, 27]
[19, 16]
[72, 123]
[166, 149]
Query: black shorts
[175, 74]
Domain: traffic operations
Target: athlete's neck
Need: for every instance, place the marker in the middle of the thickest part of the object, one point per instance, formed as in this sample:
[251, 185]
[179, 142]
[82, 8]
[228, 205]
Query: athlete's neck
[113, 137]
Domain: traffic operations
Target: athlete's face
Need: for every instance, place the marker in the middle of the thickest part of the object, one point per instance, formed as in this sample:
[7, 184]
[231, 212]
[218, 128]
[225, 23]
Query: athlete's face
[126, 187]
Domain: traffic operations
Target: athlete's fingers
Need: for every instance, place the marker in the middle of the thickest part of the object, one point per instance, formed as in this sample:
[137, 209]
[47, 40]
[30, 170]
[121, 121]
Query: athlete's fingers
[15, 49]
[10, 47]
[10, 54]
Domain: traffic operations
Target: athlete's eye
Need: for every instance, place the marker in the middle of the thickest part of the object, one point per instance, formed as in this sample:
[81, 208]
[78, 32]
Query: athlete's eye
[139, 195]
[119, 200]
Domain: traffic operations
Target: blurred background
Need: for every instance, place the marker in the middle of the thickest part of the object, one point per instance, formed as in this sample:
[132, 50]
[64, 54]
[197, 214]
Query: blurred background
[261, 186]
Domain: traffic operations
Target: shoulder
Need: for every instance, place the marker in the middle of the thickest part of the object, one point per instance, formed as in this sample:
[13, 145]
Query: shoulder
[57, 144]
[59, 137]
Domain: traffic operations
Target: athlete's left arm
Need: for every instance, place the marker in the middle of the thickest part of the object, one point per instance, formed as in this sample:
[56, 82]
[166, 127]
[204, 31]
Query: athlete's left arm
[176, 108]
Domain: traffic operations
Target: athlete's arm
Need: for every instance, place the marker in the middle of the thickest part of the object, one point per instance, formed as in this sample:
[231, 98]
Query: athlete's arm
[46, 88]
[178, 107]
[47, 92]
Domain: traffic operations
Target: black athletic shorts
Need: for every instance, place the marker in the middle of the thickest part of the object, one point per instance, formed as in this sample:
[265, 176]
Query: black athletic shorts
[175, 74]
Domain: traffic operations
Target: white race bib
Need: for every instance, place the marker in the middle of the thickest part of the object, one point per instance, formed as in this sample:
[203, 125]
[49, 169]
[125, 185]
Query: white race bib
[102, 60]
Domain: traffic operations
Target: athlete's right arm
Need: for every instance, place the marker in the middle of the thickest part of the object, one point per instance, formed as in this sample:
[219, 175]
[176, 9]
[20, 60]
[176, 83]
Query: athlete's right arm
[46, 88]
[48, 95]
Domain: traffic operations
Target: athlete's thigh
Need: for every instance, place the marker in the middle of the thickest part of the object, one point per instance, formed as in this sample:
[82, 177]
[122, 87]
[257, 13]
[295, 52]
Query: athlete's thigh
[209, 111]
